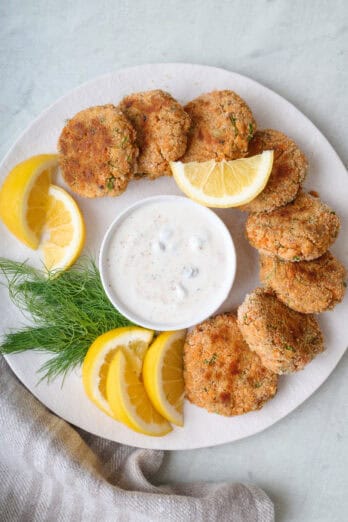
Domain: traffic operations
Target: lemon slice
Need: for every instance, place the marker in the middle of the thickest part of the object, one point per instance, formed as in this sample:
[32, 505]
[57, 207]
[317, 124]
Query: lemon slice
[226, 183]
[163, 375]
[96, 363]
[24, 197]
[128, 399]
[63, 231]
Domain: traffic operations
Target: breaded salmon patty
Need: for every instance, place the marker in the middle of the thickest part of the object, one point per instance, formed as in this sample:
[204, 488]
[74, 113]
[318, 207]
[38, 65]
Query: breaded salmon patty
[289, 169]
[162, 126]
[222, 126]
[307, 286]
[284, 339]
[302, 230]
[97, 152]
[221, 374]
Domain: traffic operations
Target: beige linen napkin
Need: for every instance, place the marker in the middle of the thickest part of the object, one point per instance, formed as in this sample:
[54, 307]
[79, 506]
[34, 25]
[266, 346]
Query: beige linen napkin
[51, 471]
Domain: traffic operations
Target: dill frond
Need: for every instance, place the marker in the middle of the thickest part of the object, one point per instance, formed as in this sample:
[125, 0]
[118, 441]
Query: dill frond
[68, 311]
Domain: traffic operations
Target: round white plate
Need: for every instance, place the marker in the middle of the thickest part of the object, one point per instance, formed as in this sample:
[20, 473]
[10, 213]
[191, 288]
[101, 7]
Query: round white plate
[327, 175]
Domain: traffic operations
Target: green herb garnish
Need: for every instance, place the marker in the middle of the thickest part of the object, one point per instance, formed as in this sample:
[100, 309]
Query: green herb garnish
[124, 142]
[234, 123]
[251, 132]
[68, 311]
[211, 360]
[110, 183]
[290, 348]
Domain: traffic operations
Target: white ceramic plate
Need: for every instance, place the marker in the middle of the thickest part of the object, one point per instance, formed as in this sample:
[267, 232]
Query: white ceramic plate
[327, 175]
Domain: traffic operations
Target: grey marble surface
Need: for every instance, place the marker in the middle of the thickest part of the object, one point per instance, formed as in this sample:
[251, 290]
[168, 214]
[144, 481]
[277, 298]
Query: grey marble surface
[299, 49]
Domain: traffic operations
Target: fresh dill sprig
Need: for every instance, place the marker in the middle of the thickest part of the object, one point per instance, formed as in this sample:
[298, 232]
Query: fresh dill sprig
[68, 311]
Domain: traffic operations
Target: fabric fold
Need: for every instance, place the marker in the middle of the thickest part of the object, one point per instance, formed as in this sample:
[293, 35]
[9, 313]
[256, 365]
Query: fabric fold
[51, 471]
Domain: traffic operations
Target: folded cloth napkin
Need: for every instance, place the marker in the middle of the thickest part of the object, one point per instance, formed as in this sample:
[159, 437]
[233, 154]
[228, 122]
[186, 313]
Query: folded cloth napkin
[51, 471]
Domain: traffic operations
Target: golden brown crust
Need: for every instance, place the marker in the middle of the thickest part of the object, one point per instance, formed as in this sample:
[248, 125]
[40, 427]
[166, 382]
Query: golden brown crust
[222, 126]
[162, 126]
[221, 374]
[308, 286]
[284, 339]
[289, 169]
[302, 230]
[98, 152]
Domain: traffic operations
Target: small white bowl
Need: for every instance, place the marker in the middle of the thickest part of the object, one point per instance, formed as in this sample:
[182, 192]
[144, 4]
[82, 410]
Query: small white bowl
[201, 314]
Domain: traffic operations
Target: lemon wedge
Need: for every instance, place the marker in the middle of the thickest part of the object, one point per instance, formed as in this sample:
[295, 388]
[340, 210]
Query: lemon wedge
[163, 375]
[96, 363]
[24, 197]
[226, 183]
[63, 230]
[128, 399]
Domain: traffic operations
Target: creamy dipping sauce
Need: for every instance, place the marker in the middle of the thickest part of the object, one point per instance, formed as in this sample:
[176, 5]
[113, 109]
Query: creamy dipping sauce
[168, 261]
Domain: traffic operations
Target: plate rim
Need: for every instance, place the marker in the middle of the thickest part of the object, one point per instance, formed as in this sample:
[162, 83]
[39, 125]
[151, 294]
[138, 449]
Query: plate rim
[158, 64]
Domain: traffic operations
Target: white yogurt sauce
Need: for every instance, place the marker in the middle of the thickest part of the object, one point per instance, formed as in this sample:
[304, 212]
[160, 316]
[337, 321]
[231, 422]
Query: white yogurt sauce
[167, 261]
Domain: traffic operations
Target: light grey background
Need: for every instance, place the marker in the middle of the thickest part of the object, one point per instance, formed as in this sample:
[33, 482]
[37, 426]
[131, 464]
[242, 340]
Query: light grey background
[298, 49]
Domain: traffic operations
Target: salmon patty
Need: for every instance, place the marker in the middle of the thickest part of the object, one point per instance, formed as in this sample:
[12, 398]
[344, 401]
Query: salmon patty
[289, 170]
[222, 126]
[162, 126]
[308, 286]
[285, 340]
[221, 374]
[97, 152]
[302, 230]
